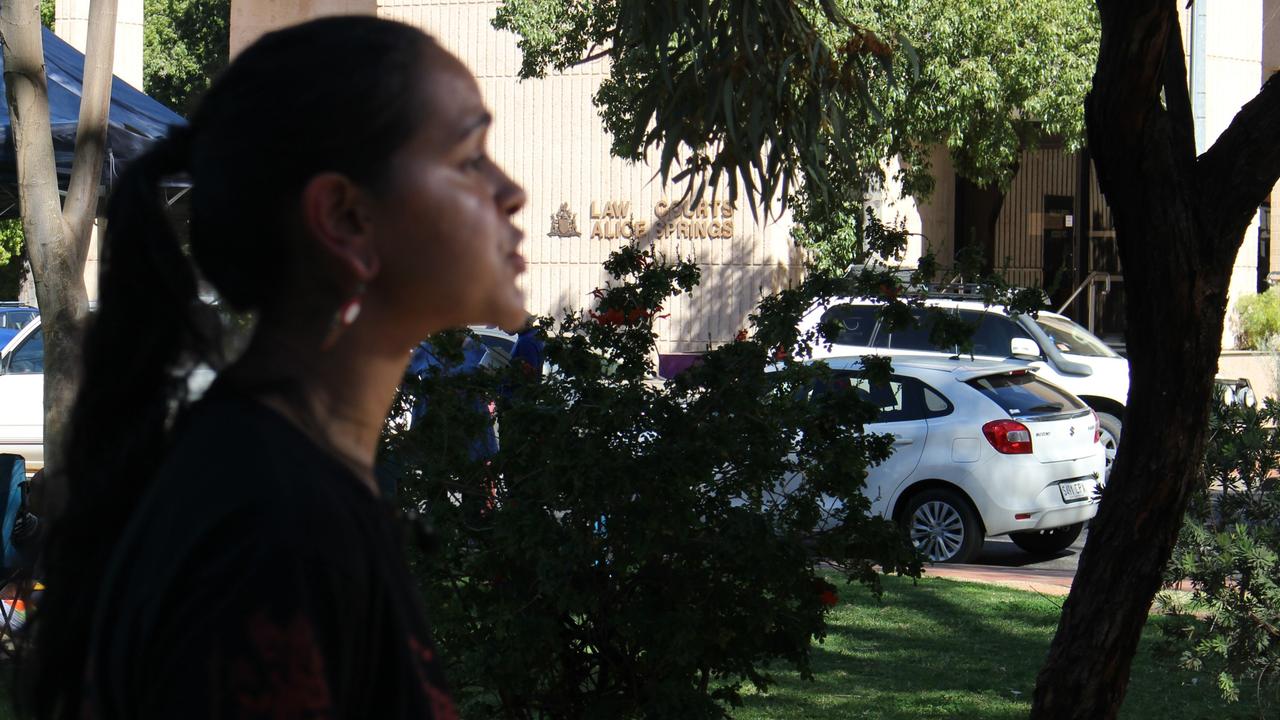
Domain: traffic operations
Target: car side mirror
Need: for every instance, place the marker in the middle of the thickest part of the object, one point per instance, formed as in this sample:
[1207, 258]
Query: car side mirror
[1024, 348]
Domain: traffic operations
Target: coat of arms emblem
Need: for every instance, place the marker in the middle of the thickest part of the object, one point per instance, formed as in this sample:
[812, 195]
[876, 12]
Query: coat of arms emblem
[564, 223]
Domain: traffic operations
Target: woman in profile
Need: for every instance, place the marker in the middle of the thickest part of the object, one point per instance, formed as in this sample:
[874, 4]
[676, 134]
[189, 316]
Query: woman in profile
[234, 558]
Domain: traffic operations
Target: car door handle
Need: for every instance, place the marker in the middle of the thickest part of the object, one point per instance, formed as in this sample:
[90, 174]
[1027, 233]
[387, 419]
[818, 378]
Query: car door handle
[902, 440]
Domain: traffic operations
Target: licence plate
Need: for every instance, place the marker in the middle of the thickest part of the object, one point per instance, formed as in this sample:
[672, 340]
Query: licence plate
[1073, 491]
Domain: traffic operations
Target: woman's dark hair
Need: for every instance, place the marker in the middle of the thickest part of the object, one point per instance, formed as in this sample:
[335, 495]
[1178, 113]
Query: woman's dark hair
[338, 94]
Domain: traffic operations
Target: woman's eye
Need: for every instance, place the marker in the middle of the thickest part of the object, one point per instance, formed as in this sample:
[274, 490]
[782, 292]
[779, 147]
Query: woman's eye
[474, 162]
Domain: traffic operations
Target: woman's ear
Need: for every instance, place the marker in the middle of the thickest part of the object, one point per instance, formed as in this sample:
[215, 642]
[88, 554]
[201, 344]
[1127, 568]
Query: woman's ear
[338, 213]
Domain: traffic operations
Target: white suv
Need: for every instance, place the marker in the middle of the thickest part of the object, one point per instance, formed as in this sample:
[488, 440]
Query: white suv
[979, 449]
[1062, 351]
[22, 396]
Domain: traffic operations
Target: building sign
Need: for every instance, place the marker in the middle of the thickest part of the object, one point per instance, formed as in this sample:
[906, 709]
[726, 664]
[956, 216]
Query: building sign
[564, 223]
[612, 219]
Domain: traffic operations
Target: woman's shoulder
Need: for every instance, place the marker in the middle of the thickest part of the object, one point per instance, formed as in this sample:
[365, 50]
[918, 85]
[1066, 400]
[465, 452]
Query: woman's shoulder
[233, 429]
[232, 454]
[237, 482]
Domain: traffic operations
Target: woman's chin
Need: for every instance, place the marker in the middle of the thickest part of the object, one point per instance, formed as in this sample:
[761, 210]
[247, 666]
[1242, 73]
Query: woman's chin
[511, 314]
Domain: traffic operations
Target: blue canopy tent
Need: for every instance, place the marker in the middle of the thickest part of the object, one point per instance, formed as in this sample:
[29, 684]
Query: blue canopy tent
[135, 122]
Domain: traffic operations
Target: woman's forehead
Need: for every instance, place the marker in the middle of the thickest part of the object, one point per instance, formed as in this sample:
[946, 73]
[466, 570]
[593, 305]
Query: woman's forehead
[456, 106]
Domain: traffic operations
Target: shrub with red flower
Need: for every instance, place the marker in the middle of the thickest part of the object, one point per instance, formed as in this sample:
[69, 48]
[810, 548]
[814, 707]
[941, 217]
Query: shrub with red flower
[617, 504]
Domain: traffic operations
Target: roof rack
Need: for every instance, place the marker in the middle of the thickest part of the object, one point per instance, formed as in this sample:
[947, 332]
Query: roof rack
[962, 291]
[956, 291]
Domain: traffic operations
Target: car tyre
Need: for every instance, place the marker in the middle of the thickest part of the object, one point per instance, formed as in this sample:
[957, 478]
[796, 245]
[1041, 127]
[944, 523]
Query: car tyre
[1047, 542]
[1110, 439]
[942, 526]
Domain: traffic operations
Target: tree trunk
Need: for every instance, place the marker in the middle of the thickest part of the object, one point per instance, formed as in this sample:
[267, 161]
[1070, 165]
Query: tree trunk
[57, 236]
[1179, 223]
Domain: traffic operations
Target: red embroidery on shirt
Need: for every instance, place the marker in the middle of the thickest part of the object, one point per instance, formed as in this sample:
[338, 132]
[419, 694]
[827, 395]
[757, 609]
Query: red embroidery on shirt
[284, 678]
[442, 707]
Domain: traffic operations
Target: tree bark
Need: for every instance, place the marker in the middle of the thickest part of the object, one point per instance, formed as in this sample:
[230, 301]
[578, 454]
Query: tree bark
[57, 237]
[1178, 237]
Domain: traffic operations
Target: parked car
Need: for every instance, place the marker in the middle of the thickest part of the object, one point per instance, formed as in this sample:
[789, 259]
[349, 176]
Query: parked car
[22, 395]
[496, 340]
[980, 449]
[1062, 351]
[13, 317]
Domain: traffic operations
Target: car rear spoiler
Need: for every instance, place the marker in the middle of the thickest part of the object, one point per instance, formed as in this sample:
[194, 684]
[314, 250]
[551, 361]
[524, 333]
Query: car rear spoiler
[989, 370]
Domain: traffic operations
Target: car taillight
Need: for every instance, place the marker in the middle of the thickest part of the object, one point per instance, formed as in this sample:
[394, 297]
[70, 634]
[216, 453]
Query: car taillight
[1097, 427]
[1009, 437]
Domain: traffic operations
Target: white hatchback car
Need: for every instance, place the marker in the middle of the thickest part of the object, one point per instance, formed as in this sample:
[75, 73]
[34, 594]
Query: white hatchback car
[980, 449]
[1061, 350]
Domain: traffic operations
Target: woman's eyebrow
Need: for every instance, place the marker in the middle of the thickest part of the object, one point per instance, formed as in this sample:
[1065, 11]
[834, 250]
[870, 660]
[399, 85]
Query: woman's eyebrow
[479, 122]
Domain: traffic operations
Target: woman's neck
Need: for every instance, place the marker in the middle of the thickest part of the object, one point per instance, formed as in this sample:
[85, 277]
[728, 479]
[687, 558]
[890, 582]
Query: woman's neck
[339, 395]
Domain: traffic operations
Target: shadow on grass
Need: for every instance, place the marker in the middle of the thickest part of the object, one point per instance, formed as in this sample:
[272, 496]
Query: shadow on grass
[944, 649]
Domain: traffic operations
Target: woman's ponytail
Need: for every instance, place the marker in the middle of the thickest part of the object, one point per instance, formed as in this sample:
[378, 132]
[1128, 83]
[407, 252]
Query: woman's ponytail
[146, 329]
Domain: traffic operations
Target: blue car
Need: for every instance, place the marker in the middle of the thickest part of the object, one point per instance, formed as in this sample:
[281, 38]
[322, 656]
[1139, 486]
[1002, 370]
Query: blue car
[13, 317]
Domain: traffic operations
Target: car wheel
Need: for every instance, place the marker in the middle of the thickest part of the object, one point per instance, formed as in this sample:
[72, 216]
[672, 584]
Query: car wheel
[1110, 439]
[1047, 542]
[942, 526]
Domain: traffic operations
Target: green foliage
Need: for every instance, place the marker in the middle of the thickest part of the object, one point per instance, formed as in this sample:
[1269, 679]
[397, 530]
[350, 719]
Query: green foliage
[810, 100]
[1229, 549]
[630, 549]
[47, 11]
[843, 235]
[1258, 319]
[760, 95]
[185, 44]
[11, 239]
[996, 77]
[771, 93]
[12, 269]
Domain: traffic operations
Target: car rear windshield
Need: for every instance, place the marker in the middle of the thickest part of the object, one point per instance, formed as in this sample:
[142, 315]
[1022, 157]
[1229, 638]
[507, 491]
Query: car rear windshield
[1025, 395]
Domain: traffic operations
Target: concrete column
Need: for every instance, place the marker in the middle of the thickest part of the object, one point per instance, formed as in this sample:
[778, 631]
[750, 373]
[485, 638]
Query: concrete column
[250, 19]
[71, 23]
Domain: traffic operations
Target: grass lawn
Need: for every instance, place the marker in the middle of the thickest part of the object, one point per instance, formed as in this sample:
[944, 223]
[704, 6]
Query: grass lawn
[946, 649]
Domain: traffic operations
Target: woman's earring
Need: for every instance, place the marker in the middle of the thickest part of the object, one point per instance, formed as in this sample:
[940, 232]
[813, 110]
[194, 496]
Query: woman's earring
[345, 316]
[349, 311]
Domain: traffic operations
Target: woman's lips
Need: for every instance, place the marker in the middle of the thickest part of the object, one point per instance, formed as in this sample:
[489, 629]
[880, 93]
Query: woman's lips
[518, 262]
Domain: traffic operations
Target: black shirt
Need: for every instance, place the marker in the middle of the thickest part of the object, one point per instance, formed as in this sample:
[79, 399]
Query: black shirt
[259, 578]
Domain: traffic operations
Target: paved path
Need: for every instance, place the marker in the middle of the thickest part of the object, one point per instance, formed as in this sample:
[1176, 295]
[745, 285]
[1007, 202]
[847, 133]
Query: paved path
[1002, 563]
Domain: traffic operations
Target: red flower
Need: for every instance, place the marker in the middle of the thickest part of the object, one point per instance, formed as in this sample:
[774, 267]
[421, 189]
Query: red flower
[613, 317]
[828, 598]
[741, 336]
